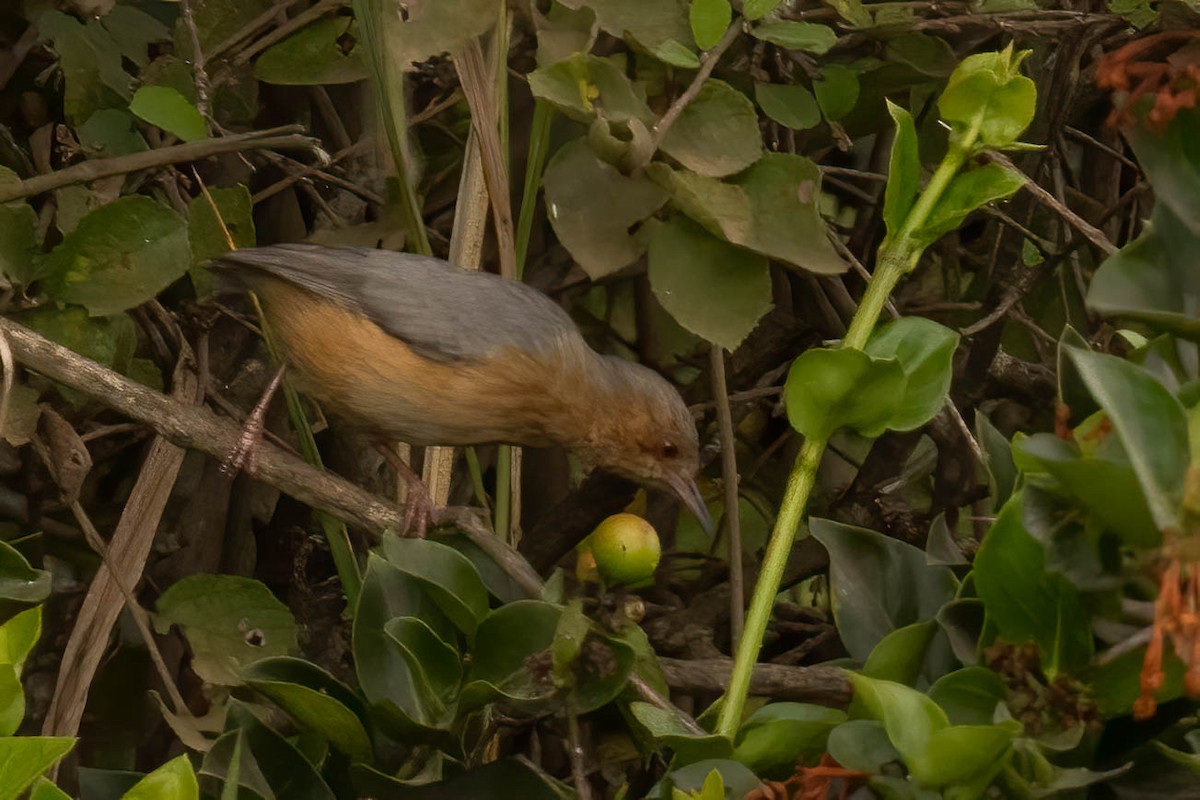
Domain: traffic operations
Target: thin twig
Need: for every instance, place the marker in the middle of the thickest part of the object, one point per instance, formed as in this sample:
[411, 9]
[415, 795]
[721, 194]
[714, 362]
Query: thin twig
[707, 63]
[198, 74]
[286, 29]
[729, 476]
[286, 137]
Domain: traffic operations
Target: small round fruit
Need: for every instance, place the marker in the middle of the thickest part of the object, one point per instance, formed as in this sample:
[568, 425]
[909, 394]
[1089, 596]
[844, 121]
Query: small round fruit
[626, 549]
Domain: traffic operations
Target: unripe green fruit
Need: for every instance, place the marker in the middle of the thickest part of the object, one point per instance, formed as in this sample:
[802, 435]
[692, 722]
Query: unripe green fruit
[625, 548]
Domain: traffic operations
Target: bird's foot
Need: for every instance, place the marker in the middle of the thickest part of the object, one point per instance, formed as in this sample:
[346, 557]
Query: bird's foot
[420, 512]
[244, 456]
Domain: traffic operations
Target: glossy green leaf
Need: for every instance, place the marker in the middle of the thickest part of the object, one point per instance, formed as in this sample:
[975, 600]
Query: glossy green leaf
[968, 192]
[12, 700]
[1002, 474]
[1024, 602]
[776, 736]
[1107, 490]
[45, 790]
[669, 731]
[507, 644]
[770, 208]
[174, 780]
[925, 351]
[445, 574]
[969, 695]
[276, 761]
[878, 584]
[381, 664]
[169, 110]
[757, 9]
[717, 133]
[315, 700]
[19, 635]
[649, 23]
[941, 545]
[862, 745]
[988, 91]
[909, 717]
[229, 622]
[18, 243]
[569, 637]
[899, 655]
[230, 769]
[1150, 423]
[738, 779]
[836, 91]
[21, 586]
[830, 390]
[709, 19]
[111, 132]
[904, 171]
[121, 255]
[24, 758]
[961, 754]
[713, 289]
[325, 52]
[436, 667]
[789, 105]
[592, 208]
[1172, 164]
[807, 36]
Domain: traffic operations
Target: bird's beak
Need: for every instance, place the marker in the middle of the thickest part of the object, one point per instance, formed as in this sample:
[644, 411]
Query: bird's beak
[689, 493]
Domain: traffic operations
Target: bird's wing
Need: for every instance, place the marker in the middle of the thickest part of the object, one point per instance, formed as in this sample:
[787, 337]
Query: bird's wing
[442, 311]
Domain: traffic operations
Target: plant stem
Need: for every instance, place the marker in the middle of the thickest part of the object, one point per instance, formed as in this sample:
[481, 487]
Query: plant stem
[891, 265]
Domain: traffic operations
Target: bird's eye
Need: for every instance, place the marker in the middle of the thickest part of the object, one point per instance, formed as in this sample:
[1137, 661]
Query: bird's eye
[669, 450]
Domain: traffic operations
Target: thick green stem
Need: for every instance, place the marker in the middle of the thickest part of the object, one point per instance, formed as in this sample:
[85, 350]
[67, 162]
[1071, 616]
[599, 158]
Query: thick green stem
[891, 265]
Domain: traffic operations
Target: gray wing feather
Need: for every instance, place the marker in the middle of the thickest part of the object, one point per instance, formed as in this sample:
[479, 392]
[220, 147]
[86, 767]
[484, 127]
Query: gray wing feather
[442, 311]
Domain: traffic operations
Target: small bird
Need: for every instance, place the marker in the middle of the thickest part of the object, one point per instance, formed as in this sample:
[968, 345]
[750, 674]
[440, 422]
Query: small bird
[413, 348]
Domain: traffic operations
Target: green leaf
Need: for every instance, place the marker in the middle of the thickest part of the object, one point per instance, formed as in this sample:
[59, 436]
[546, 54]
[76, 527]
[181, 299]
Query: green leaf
[90, 59]
[18, 243]
[431, 28]
[169, 110]
[268, 759]
[1150, 423]
[111, 132]
[778, 735]
[230, 769]
[505, 779]
[121, 255]
[966, 193]
[738, 779]
[563, 32]
[325, 52]
[45, 790]
[904, 171]
[316, 700]
[987, 90]
[1024, 602]
[569, 636]
[1152, 279]
[836, 91]
[19, 635]
[229, 621]
[968, 696]
[862, 745]
[592, 207]
[677, 54]
[878, 584]
[24, 758]
[106, 340]
[12, 700]
[21, 586]
[445, 574]
[899, 656]
[928, 55]
[830, 390]
[807, 36]
[1002, 474]
[649, 23]
[134, 31]
[909, 717]
[709, 19]
[791, 106]
[506, 643]
[207, 234]
[1170, 161]
[717, 133]
[174, 780]
[770, 208]
[435, 665]
[713, 289]
[961, 754]
[925, 351]
[757, 9]
[585, 87]
[669, 731]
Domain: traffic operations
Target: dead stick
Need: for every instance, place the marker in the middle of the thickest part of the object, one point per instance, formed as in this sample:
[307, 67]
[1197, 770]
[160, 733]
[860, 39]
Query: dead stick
[283, 138]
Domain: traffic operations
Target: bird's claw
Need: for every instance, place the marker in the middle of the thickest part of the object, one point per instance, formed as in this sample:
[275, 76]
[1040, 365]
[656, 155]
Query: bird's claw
[244, 455]
[420, 512]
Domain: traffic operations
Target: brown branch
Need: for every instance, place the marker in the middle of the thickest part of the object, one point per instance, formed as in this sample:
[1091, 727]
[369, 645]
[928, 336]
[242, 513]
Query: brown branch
[823, 685]
[729, 476]
[283, 138]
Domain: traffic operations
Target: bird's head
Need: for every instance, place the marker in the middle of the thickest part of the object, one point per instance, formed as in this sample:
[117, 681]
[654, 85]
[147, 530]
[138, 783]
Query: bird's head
[641, 429]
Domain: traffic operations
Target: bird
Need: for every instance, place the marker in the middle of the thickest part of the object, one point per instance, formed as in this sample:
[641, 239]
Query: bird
[413, 348]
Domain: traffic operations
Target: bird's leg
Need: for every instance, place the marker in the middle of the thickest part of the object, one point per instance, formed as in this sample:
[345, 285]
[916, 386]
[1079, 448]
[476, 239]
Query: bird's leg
[244, 455]
[419, 509]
